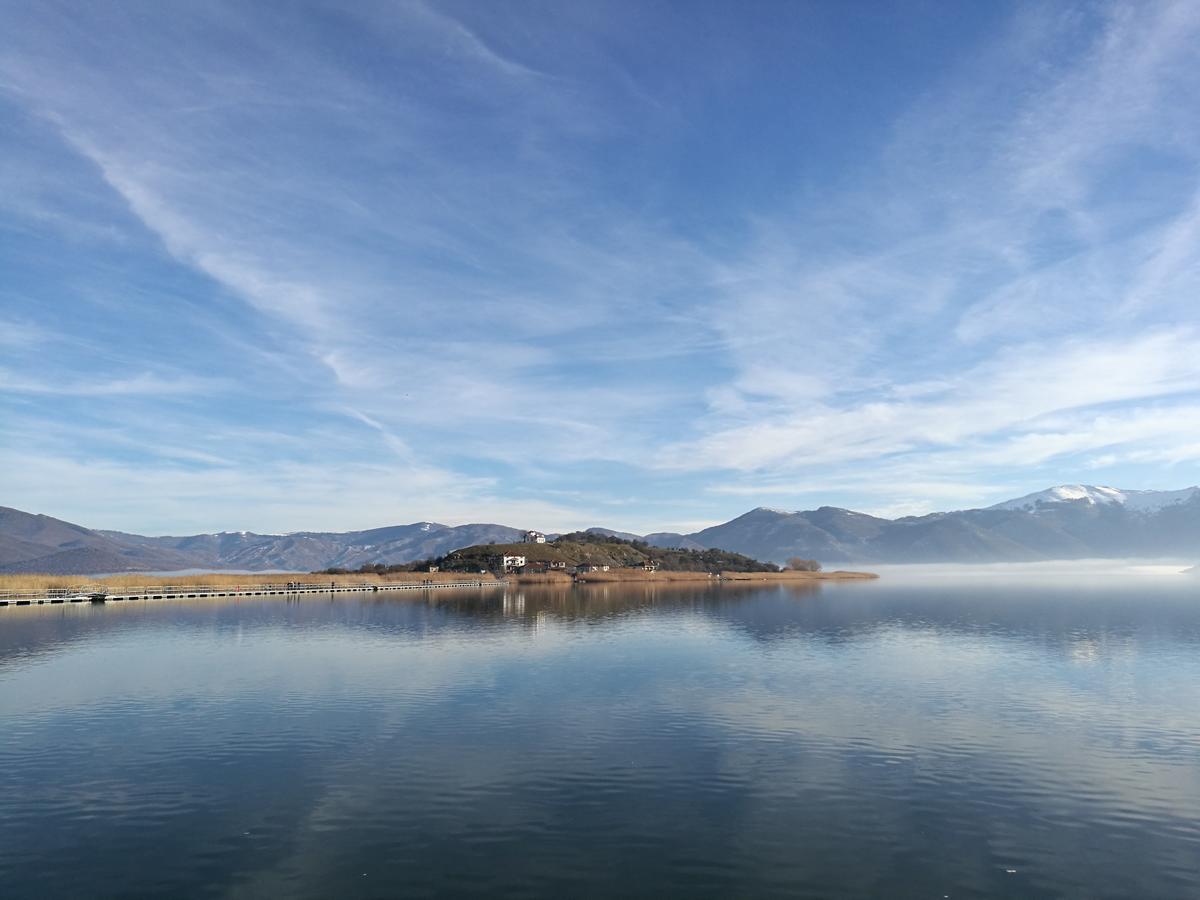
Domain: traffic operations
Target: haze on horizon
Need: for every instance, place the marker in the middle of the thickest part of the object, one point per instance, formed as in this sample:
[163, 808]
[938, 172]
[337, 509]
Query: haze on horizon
[284, 266]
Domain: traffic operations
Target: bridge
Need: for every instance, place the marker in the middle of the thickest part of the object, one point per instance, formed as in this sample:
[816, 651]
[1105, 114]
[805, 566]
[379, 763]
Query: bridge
[101, 594]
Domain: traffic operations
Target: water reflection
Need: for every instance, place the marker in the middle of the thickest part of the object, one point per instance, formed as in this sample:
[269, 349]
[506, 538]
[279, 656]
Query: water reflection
[818, 740]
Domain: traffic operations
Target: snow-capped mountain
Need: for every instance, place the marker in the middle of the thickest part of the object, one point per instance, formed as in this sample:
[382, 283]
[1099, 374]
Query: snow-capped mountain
[1071, 521]
[1090, 494]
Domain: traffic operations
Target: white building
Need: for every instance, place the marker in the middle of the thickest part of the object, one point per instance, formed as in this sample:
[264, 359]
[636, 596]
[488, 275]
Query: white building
[534, 537]
[508, 563]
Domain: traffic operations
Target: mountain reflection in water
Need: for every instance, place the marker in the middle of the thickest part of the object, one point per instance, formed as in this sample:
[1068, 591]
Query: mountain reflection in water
[978, 737]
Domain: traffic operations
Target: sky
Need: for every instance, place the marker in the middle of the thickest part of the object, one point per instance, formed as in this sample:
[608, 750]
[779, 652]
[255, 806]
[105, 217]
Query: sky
[289, 266]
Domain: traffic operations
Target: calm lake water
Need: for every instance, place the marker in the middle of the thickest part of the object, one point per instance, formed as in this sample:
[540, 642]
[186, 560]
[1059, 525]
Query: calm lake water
[911, 737]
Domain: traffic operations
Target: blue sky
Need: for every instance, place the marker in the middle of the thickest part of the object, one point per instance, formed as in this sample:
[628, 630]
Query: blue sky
[646, 265]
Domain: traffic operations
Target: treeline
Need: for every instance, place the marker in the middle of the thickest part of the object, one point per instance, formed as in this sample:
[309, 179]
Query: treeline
[672, 559]
[677, 560]
[592, 537]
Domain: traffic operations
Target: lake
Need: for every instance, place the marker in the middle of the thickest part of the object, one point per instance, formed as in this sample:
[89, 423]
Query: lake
[919, 736]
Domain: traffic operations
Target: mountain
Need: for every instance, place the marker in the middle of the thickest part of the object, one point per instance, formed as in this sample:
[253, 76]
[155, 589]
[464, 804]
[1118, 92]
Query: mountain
[671, 540]
[35, 543]
[608, 532]
[1071, 521]
[775, 535]
[1064, 522]
[1142, 501]
[667, 540]
[310, 550]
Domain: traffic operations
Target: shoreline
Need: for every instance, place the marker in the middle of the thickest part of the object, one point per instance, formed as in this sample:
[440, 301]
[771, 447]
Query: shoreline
[25, 583]
[24, 590]
[616, 576]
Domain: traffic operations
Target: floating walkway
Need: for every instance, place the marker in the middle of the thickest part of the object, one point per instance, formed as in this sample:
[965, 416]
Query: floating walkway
[190, 592]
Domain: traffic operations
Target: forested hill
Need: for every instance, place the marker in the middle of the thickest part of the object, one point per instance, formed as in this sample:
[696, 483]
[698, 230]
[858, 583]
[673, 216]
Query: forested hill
[592, 548]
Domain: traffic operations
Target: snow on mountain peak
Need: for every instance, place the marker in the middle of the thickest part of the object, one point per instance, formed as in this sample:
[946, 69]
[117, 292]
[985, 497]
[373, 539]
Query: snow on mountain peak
[1093, 495]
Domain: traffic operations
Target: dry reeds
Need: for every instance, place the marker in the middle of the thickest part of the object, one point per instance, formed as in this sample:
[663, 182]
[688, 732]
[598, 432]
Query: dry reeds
[618, 575]
[790, 575]
[559, 578]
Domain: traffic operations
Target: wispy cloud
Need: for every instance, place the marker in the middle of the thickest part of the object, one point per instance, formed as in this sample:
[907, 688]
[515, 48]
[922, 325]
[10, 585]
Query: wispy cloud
[544, 256]
[142, 384]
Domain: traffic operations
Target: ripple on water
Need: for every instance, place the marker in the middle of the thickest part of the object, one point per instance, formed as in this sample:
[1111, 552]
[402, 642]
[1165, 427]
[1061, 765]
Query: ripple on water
[867, 742]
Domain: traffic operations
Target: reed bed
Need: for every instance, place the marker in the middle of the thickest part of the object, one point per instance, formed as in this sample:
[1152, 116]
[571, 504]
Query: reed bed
[788, 575]
[555, 578]
[618, 575]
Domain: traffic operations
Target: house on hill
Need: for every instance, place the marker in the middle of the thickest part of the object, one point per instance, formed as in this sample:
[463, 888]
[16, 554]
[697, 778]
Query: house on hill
[534, 537]
[590, 567]
[508, 563]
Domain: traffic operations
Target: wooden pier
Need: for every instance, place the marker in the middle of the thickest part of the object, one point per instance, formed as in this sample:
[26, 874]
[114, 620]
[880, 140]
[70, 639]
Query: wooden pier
[191, 592]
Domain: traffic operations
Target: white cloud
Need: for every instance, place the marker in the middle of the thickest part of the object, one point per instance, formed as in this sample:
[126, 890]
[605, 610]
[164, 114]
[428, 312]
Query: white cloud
[471, 248]
[142, 384]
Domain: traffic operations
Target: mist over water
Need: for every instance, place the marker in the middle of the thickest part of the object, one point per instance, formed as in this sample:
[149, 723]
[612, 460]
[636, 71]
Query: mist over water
[1081, 571]
[935, 733]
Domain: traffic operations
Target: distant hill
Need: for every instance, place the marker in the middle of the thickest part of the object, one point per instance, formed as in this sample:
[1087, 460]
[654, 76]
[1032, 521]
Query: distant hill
[33, 543]
[671, 539]
[312, 550]
[608, 532]
[1068, 522]
[1064, 522]
[36, 543]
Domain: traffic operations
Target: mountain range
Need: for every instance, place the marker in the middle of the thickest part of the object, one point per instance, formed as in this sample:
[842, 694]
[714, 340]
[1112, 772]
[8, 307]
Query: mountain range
[1064, 522]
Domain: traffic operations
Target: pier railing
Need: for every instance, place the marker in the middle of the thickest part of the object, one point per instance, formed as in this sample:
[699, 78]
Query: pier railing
[175, 591]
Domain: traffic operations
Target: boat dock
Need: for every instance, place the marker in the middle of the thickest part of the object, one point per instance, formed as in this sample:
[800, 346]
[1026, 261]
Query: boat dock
[100, 594]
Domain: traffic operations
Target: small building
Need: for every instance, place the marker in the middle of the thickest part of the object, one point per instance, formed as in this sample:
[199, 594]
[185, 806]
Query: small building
[591, 567]
[508, 563]
[649, 566]
[431, 569]
[534, 537]
[560, 564]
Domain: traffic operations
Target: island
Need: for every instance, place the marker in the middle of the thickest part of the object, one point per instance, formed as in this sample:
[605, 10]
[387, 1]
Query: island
[586, 556]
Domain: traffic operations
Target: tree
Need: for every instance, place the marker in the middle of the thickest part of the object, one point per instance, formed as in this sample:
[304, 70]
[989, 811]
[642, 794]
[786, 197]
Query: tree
[796, 564]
